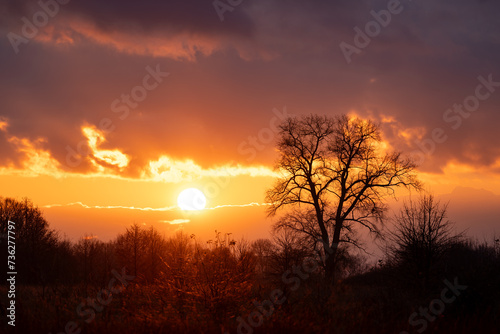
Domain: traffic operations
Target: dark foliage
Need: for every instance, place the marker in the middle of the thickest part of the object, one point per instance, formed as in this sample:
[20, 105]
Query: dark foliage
[179, 285]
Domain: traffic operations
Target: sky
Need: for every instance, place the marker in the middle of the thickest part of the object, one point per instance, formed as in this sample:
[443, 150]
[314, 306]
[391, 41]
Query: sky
[109, 109]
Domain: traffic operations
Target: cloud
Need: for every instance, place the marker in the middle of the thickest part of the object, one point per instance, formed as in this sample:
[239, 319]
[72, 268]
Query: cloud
[466, 175]
[239, 205]
[175, 221]
[3, 124]
[108, 157]
[166, 169]
[426, 60]
[85, 206]
[149, 209]
[37, 161]
[226, 77]
[176, 29]
[32, 158]
[176, 46]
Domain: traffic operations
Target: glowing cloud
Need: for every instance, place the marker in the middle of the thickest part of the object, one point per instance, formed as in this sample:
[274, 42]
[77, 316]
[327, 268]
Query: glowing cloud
[110, 157]
[239, 205]
[175, 221]
[85, 206]
[36, 160]
[175, 45]
[3, 124]
[166, 169]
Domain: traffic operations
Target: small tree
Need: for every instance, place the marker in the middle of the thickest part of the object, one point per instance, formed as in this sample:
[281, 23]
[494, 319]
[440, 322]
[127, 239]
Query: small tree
[263, 250]
[130, 247]
[422, 235]
[178, 274]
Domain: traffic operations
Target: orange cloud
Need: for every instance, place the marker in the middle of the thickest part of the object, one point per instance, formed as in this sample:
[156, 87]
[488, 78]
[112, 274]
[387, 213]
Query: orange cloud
[166, 169]
[394, 130]
[175, 221]
[239, 205]
[35, 159]
[107, 162]
[3, 124]
[174, 44]
[178, 46]
[111, 157]
[466, 175]
[85, 206]
[158, 44]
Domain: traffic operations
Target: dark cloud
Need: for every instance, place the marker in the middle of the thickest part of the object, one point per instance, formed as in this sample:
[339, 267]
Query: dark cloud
[265, 54]
[194, 16]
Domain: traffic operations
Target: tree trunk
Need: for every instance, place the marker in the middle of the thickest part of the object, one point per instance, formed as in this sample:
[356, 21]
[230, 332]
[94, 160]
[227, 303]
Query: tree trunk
[330, 264]
[331, 253]
[330, 269]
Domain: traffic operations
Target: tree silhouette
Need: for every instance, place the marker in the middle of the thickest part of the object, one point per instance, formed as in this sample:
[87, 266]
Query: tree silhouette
[334, 170]
[131, 250]
[33, 238]
[421, 236]
[154, 246]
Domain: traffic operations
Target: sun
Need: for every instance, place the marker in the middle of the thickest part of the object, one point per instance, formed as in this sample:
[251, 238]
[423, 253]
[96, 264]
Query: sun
[191, 199]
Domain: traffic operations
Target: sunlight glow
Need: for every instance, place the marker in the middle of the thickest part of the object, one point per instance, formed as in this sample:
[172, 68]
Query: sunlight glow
[191, 199]
[111, 157]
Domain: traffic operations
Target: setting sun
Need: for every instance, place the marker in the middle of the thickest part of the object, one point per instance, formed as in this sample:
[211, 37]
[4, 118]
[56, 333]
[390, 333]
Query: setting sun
[191, 199]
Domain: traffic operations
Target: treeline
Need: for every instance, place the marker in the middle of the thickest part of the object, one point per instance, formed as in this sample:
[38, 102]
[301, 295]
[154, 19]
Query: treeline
[178, 284]
[41, 255]
[177, 279]
[44, 258]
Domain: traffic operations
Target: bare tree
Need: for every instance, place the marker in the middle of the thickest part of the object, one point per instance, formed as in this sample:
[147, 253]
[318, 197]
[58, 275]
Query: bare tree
[288, 251]
[334, 170]
[263, 250]
[92, 258]
[130, 248]
[34, 238]
[422, 235]
[178, 273]
[154, 248]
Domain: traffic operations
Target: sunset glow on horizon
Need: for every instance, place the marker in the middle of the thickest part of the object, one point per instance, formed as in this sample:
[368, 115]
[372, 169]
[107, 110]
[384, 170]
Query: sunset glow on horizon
[107, 117]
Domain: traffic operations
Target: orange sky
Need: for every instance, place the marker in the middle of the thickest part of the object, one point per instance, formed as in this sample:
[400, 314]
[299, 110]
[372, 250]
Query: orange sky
[109, 112]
